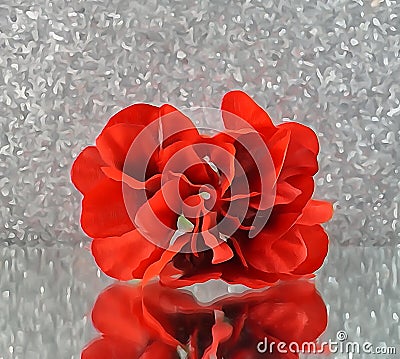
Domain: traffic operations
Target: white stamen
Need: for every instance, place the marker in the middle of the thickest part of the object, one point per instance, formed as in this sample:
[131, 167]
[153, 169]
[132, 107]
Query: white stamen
[205, 195]
[224, 237]
[184, 226]
[211, 164]
[181, 352]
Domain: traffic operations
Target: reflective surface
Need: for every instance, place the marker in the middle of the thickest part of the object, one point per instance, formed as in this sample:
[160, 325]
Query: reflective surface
[47, 297]
[154, 321]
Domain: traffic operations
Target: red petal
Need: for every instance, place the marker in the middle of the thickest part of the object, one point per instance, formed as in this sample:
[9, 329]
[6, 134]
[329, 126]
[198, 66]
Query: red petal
[182, 157]
[119, 257]
[316, 212]
[285, 215]
[172, 277]
[232, 272]
[316, 241]
[244, 109]
[154, 270]
[103, 211]
[239, 252]
[223, 156]
[221, 251]
[137, 114]
[86, 171]
[301, 136]
[278, 145]
[301, 155]
[254, 168]
[287, 253]
[159, 350]
[115, 142]
[118, 313]
[286, 193]
[117, 175]
[111, 348]
[290, 312]
[156, 219]
[221, 332]
[250, 277]
[163, 301]
[175, 126]
[276, 255]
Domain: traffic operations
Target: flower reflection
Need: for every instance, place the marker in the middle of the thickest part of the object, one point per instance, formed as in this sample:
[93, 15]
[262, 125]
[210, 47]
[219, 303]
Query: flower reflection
[149, 322]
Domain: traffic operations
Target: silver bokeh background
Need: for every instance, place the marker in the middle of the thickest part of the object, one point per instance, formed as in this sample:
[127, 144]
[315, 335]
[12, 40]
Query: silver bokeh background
[67, 66]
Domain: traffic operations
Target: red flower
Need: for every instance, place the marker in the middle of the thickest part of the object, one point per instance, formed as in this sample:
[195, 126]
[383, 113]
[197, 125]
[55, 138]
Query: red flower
[162, 199]
[154, 321]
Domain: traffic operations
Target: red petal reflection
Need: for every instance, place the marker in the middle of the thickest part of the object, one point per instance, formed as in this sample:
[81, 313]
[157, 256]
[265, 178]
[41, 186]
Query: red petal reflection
[136, 322]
